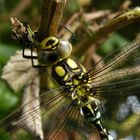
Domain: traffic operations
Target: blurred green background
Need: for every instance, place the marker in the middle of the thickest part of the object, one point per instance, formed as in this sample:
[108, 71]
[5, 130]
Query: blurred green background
[29, 10]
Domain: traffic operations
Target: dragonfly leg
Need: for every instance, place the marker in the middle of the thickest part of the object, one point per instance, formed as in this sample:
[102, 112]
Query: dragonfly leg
[32, 57]
[28, 56]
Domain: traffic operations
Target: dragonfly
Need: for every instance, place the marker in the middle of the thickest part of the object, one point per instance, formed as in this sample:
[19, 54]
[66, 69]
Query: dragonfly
[76, 104]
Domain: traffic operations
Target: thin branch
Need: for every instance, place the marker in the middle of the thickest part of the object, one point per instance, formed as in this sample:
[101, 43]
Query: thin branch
[45, 19]
[125, 5]
[50, 17]
[57, 15]
[116, 23]
[96, 15]
[23, 5]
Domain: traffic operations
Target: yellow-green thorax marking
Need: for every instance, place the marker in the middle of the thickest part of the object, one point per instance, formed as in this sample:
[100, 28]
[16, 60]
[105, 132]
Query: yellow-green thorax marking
[71, 74]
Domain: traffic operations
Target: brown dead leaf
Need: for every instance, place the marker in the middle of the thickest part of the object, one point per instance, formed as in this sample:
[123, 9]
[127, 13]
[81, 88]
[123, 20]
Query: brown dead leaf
[18, 71]
[30, 119]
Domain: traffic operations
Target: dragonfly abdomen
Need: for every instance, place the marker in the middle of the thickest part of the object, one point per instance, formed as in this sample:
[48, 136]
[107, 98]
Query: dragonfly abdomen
[92, 115]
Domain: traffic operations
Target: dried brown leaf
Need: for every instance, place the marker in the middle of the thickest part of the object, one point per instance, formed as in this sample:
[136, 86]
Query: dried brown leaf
[18, 72]
[22, 32]
[31, 115]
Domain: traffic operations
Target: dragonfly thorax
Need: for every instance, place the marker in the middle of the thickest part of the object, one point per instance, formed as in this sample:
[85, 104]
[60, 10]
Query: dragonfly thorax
[72, 75]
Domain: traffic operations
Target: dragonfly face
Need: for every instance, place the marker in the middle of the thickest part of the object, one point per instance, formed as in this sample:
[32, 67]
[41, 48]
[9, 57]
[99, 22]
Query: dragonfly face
[53, 50]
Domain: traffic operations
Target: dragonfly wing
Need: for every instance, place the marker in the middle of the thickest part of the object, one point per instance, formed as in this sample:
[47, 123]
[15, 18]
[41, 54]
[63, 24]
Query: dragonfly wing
[28, 116]
[61, 118]
[65, 122]
[118, 84]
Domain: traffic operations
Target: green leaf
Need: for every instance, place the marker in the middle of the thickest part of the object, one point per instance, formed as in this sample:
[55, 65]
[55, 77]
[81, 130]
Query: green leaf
[5, 52]
[8, 99]
[115, 41]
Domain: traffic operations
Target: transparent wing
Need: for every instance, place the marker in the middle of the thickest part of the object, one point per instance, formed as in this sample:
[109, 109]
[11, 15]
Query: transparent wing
[64, 121]
[117, 83]
[25, 116]
[61, 119]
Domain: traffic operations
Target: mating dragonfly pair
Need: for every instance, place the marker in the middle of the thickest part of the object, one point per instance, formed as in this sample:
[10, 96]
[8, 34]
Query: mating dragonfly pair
[74, 106]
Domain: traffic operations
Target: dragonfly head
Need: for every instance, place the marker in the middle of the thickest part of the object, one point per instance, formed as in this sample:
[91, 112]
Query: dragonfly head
[53, 50]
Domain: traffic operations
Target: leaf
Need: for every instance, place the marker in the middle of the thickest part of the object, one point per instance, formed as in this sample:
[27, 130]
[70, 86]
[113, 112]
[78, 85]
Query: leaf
[7, 99]
[5, 52]
[31, 115]
[115, 41]
[18, 72]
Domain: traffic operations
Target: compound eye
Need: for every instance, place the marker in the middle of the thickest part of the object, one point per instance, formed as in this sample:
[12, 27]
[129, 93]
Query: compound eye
[49, 43]
[64, 49]
[46, 58]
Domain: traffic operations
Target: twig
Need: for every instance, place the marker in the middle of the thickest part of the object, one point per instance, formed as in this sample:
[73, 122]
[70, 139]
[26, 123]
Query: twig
[113, 25]
[50, 18]
[23, 4]
[45, 19]
[96, 15]
[57, 15]
[125, 5]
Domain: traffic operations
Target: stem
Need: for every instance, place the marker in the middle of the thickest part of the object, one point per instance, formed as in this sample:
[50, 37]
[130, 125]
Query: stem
[116, 23]
[57, 15]
[50, 18]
